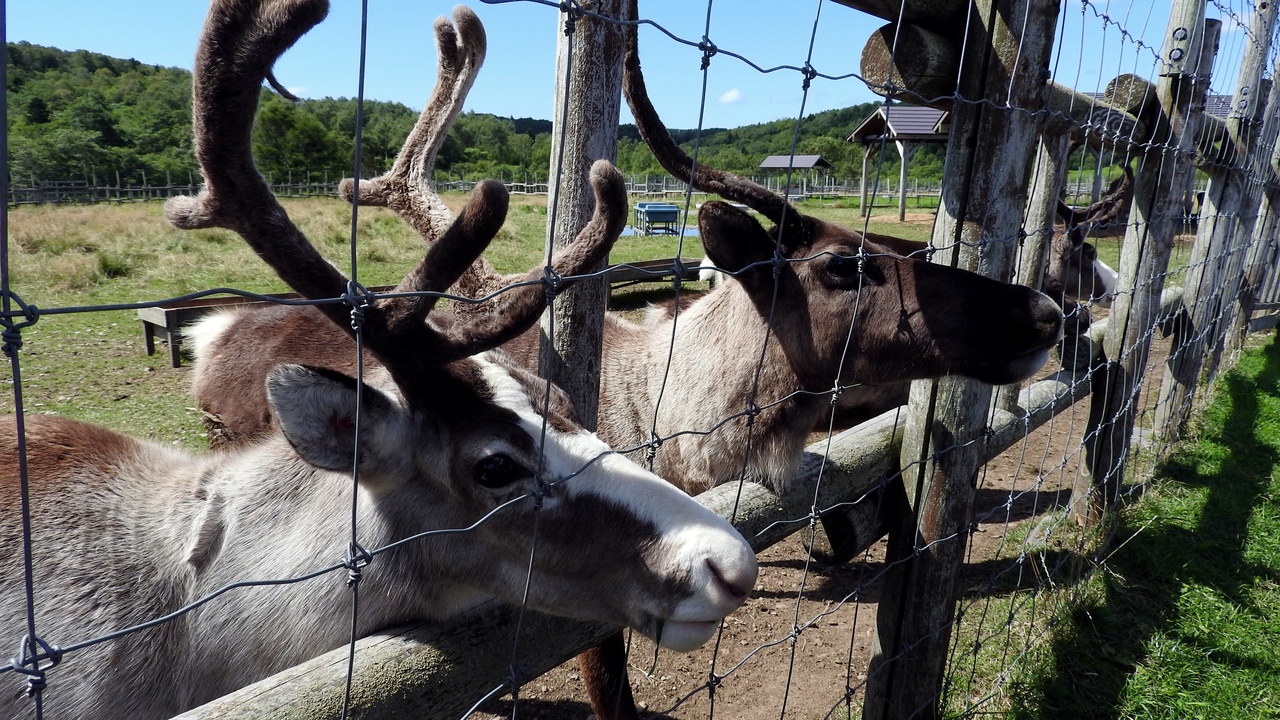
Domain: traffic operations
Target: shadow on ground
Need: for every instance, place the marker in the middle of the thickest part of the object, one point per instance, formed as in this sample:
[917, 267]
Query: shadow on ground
[1099, 646]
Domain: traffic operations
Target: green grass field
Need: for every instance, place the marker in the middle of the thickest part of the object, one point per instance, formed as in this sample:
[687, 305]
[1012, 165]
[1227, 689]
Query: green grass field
[92, 365]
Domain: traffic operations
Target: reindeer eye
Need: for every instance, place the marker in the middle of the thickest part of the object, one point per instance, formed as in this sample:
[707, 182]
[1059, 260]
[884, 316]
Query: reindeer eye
[849, 271]
[844, 266]
[498, 470]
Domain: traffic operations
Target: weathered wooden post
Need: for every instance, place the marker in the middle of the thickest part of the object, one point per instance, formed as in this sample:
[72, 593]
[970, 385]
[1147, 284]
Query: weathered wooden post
[1046, 188]
[1007, 45]
[1220, 236]
[1262, 125]
[1144, 258]
[588, 101]
[1265, 236]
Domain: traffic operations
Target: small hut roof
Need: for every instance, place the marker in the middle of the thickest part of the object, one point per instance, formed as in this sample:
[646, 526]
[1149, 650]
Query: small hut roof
[902, 122]
[799, 162]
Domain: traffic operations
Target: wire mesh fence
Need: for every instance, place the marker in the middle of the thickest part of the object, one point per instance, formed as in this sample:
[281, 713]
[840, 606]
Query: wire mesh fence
[914, 564]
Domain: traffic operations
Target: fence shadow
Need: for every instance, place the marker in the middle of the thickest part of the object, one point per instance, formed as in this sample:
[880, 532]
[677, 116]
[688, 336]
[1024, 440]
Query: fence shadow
[1100, 644]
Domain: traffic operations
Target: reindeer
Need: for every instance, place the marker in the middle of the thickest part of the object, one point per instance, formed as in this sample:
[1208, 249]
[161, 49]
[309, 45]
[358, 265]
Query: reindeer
[457, 437]
[1073, 271]
[848, 311]
[1072, 257]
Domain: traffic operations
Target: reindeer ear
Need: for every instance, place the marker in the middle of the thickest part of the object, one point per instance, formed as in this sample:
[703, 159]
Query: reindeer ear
[316, 409]
[734, 240]
[1071, 218]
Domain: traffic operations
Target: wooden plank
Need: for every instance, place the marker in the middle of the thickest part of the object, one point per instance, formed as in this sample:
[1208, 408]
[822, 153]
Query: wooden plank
[653, 271]
[166, 321]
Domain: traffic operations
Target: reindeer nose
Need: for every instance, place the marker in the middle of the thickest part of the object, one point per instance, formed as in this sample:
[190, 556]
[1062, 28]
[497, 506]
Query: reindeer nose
[735, 579]
[1048, 318]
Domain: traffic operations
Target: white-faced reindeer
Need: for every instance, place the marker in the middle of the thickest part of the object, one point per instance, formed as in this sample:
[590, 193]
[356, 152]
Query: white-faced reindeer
[125, 531]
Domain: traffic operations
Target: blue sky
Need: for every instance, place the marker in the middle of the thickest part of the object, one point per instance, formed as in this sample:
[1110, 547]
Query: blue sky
[518, 76]
[517, 79]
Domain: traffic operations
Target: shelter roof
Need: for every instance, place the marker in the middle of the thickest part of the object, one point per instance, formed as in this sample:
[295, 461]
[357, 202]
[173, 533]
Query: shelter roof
[799, 162]
[903, 122]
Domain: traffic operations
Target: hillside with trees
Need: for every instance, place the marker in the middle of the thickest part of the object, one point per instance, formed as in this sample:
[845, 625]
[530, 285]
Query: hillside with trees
[78, 115]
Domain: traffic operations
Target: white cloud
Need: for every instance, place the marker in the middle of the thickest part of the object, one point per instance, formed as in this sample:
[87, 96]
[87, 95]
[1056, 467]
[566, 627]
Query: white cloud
[731, 97]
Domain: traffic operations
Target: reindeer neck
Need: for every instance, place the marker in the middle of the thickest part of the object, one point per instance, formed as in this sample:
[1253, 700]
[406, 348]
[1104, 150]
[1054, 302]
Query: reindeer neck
[722, 366]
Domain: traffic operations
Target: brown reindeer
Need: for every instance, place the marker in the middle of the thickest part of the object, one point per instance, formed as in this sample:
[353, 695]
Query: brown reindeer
[456, 439]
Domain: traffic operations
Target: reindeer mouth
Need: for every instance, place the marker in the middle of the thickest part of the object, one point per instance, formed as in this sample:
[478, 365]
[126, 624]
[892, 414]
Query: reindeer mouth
[1024, 365]
[683, 635]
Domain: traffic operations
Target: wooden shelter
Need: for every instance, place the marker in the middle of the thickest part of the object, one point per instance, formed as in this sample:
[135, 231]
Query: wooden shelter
[905, 126]
[806, 164]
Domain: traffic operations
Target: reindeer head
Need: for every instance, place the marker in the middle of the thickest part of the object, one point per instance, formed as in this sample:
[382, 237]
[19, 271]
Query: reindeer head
[458, 431]
[844, 303]
[1075, 262]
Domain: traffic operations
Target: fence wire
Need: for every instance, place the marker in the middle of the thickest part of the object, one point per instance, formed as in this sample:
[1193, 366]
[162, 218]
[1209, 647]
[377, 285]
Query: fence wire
[1055, 460]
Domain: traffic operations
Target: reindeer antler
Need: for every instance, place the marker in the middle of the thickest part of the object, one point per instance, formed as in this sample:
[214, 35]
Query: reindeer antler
[405, 187]
[240, 42]
[1108, 208]
[407, 191]
[679, 164]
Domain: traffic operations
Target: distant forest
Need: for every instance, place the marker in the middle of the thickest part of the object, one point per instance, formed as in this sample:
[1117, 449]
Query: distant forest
[85, 116]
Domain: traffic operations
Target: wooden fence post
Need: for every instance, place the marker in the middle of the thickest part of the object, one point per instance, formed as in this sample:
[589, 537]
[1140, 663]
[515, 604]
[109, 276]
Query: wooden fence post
[1266, 229]
[1221, 236]
[983, 196]
[1144, 257]
[587, 107]
[588, 100]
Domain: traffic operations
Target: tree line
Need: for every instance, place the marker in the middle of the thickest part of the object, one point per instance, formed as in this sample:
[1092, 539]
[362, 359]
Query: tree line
[78, 115]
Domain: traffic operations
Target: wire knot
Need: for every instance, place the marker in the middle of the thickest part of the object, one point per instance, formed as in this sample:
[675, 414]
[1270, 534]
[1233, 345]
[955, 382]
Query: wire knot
[713, 681]
[809, 74]
[28, 663]
[358, 298]
[651, 448]
[12, 333]
[572, 14]
[552, 283]
[709, 51]
[779, 261]
[357, 560]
